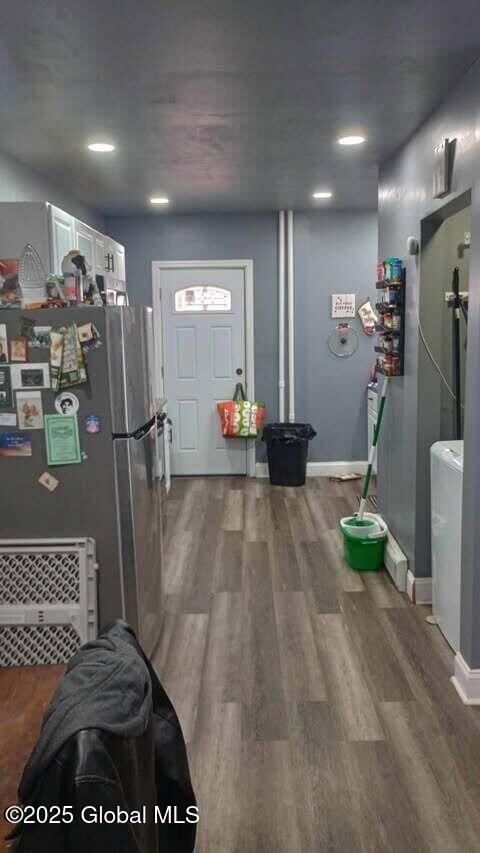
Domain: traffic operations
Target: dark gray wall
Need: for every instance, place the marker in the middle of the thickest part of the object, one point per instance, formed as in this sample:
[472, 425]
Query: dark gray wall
[18, 183]
[405, 197]
[333, 252]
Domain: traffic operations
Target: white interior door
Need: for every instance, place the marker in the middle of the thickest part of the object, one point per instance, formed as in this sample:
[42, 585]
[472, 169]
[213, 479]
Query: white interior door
[203, 318]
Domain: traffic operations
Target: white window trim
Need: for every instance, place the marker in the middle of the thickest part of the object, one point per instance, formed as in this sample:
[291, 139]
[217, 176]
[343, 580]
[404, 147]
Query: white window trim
[247, 267]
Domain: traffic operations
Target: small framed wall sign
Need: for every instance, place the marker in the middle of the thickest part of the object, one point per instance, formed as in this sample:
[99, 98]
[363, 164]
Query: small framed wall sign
[35, 376]
[18, 349]
[343, 305]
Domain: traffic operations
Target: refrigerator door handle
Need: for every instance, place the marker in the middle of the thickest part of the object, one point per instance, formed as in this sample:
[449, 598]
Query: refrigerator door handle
[139, 434]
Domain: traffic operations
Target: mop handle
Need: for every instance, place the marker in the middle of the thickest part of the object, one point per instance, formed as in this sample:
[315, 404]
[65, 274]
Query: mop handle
[373, 450]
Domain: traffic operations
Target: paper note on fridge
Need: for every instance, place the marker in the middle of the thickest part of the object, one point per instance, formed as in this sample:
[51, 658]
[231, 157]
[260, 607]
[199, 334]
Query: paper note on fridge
[15, 444]
[8, 419]
[29, 408]
[62, 439]
[31, 375]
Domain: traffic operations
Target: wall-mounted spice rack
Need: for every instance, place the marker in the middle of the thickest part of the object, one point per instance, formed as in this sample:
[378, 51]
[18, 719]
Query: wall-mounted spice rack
[390, 308]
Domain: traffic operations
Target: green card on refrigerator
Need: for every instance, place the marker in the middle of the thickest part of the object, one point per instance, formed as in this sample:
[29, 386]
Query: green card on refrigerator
[62, 440]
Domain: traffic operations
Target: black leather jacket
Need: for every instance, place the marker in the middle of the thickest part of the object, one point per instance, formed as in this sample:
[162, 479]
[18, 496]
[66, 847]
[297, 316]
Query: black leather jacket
[109, 771]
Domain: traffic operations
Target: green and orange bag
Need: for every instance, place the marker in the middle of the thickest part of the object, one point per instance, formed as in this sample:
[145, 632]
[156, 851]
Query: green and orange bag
[240, 418]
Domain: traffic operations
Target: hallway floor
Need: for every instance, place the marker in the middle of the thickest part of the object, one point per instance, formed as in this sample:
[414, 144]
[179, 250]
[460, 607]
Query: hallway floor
[316, 702]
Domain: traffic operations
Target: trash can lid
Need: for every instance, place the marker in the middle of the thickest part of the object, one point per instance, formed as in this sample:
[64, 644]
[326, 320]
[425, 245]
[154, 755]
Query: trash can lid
[288, 432]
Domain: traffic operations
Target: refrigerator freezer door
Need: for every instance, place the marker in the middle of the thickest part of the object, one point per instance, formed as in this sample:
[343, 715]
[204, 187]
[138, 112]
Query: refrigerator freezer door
[129, 344]
[129, 334]
[140, 533]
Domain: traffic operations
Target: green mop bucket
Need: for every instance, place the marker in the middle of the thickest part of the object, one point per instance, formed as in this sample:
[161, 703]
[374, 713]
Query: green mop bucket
[364, 553]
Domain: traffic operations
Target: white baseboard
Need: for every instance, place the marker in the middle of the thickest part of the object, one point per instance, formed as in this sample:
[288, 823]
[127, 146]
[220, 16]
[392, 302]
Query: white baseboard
[466, 681]
[322, 469]
[396, 563]
[419, 590]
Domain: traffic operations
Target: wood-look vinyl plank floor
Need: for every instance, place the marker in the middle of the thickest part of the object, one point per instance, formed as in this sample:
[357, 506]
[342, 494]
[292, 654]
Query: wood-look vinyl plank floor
[222, 672]
[448, 819]
[347, 687]
[324, 803]
[302, 674]
[264, 713]
[233, 510]
[382, 590]
[320, 580]
[428, 673]
[385, 814]
[325, 514]
[181, 664]
[381, 667]
[269, 813]
[177, 555]
[315, 701]
[218, 780]
[228, 561]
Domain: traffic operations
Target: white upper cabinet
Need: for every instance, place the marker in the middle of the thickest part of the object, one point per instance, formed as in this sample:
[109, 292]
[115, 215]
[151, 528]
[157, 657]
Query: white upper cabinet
[62, 236]
[54, 233]
[115, 259]
[85, 243]
[100, 254]
[119, 262]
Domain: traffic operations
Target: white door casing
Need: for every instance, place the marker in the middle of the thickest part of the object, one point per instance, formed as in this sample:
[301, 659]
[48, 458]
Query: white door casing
[198, 354]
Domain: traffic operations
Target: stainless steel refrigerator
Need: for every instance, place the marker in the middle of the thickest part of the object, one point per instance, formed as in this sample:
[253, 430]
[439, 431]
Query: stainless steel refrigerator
[114, 494]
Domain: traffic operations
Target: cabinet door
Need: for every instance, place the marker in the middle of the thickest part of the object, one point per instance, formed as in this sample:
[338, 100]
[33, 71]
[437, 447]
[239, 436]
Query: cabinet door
[85, 243]
[118, 261]
[100, 254]
[62, 236]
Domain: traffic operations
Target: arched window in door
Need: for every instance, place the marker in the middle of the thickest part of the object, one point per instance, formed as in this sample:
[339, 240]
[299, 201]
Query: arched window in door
[202, 297]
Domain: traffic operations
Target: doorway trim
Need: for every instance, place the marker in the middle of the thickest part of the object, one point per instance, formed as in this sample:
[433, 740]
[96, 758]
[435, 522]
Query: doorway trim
[247, 266]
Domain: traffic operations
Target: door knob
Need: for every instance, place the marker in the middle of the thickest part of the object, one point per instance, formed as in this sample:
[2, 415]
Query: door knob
[239, 371]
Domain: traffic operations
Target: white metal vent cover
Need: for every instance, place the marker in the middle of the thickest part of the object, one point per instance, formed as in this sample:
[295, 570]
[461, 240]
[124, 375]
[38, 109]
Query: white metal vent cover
[48, 599]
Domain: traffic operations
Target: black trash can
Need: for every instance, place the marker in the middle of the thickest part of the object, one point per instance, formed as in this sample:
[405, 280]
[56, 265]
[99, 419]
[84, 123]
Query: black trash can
[287, 451]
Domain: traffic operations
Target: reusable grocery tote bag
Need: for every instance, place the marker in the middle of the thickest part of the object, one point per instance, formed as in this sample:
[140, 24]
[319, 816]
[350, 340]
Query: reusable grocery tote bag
[240, 418]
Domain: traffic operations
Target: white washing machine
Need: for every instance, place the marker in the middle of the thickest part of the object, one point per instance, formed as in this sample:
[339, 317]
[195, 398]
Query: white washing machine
[446, 458]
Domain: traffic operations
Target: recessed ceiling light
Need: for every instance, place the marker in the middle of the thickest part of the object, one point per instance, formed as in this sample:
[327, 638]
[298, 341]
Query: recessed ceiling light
[101, 147]
[322, 194]
[351, 140]
[161, 199]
